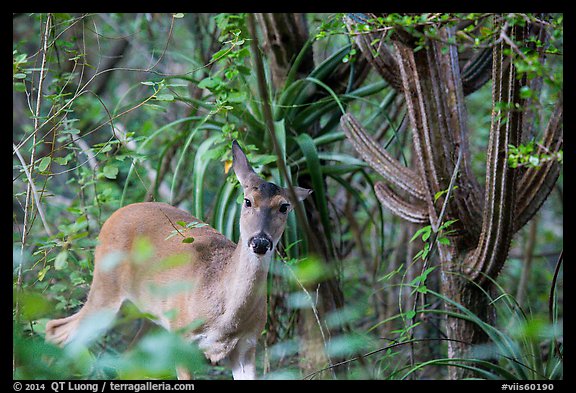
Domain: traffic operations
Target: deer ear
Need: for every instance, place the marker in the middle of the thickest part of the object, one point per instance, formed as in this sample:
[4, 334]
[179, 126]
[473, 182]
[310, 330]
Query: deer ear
[242, 168]
[302, 193]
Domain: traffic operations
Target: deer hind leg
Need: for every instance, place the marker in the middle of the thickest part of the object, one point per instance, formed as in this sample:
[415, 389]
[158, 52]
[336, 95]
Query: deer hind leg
[94, 312]
[104, 301]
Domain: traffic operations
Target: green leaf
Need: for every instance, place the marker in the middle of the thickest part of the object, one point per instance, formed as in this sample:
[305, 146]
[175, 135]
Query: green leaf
[237, 96]
[63, 160]
[19, 87]
[42, 273]
[165, 97]
[310, 152]
[427, 229]
[142, 249]
[110, 171]
[443, 240]
[439, 194]
[200, 165]
[418, 255]
[216, 56]
[61, 261]
[421, 278]
[188, 240]
[447, 224]
[310, 270]
[224, 205]
[196, 224]
[443, 192]
[208, 83]
[422, 254]
[44, 163]
[526, 92]
[33, 305]
[426, 235]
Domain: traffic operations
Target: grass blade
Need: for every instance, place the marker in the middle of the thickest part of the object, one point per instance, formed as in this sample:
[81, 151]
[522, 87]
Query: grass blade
[314, 167]
[200, 165]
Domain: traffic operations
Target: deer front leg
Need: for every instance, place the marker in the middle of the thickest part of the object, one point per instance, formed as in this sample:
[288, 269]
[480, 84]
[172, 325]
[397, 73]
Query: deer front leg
[183, 374]
[243, 359]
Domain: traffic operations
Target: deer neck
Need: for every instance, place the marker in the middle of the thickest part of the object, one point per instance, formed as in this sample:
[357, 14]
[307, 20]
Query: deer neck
[247, 274]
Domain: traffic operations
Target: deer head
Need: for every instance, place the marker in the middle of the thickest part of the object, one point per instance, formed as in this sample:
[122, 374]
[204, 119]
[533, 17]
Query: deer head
[265, 206]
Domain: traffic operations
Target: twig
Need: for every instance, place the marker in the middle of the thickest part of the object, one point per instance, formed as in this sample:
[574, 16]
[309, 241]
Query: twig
[450, 187]
[33, 190]
[30, 189]
[83, 89]
[512, 44]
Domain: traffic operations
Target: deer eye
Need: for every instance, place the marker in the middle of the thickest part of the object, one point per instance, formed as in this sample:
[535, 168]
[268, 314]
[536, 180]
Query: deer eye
[247, 202]
[284, 208]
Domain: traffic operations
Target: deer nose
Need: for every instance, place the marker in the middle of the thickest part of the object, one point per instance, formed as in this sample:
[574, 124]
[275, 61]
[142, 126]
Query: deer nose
[260, 244]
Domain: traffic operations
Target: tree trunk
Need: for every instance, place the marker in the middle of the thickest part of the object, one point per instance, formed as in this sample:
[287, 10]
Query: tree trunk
[462, 333]
[284, 36]
[434, 85]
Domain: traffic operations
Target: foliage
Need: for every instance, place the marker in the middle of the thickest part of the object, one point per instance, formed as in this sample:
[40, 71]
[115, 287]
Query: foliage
[528, 156]
[526, 349]
[111, 109]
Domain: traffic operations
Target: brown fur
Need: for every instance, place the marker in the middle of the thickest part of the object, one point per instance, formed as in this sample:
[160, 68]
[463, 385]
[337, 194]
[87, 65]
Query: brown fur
[222, 304]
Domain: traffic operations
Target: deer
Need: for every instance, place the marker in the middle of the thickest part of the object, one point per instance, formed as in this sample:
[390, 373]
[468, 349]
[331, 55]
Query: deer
[225, 307]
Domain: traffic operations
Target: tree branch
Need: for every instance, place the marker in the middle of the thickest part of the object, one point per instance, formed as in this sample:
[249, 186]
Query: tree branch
[380, 160]
[536, 183]
[423, 114]
[449, 93]
[498, 218]
[285, 35]
[415, 212]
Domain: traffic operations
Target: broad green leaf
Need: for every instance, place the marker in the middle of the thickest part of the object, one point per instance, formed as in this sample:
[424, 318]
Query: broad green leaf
[309, 151]
[210, 82]
[142, 249]
[110, 171]
[61, 261]
[420, 232]
[200, 165]
[444, 241]
[44, 163]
